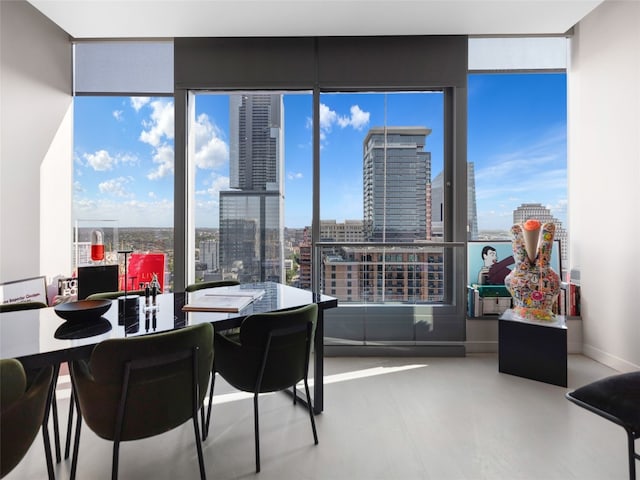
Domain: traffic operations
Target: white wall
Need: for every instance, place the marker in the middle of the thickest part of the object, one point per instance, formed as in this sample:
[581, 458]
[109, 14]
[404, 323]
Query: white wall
[36, 144]
[604, 180]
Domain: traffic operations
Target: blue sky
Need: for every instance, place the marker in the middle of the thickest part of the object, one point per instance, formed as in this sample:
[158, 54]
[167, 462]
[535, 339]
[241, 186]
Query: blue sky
[516, 138]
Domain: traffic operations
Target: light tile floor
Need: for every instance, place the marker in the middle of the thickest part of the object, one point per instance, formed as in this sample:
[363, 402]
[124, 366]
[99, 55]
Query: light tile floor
[384, 418]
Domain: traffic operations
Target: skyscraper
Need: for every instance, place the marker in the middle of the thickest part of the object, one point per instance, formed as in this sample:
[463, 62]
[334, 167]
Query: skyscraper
[396, 184]
[252, 212]
[437, 202]
[209, 254]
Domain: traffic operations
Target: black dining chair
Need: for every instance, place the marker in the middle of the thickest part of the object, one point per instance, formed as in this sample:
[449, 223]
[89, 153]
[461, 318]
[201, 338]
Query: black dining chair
[114, 295]
[272, 354]
[22, 306]
[23, 408]
[193, 287]
[16, 307]
[139, 387]
[617, 399]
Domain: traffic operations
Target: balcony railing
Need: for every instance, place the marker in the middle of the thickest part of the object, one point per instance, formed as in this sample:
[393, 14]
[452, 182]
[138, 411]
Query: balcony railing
[386, 273]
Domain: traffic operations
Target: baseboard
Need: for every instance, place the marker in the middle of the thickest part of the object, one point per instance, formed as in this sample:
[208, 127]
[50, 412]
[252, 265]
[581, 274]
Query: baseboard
[609, 360]
[482, 335]
[452, 350]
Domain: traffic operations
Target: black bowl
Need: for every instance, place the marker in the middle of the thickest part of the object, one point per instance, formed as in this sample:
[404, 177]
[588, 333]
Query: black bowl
[82, 310]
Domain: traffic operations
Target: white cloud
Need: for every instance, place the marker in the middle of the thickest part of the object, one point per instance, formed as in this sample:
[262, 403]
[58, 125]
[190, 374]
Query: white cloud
[117, 114]
[116, 187]
[160, 126]
[131, 213]
[220, 182]
[103, 161]
[211, 150]
[294, 175]
[216, 183]
[100, 161]
[358, 119]
[164, 158]
[127, 158]
[138, 102]
[327, 117]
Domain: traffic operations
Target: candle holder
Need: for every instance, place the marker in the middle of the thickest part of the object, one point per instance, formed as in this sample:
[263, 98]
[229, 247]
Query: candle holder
[128, 305]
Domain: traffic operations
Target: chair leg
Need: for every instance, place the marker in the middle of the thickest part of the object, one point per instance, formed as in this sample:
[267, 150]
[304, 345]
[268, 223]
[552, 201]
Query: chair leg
[45, 424]
[76, 442]
[257, 432]
[203, 474]
[313, 420]
[114, 460]
[47, 452]
[205, 425]
[632, 456]
[56, 428]
[69, 425]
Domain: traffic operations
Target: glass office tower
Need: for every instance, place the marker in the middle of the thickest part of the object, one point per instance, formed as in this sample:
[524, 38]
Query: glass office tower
[437, 202]
[252, 211]
[396, 184]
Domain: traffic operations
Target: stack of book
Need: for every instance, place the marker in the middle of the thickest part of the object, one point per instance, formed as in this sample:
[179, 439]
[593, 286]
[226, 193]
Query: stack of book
[223, 300]
[487, 300]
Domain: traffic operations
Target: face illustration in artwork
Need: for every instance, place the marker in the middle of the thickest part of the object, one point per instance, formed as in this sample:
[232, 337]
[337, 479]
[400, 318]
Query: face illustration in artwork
[489, 256]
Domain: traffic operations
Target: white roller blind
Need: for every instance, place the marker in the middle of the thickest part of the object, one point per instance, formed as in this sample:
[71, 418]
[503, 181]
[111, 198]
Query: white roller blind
[518, 53]
[123, 67]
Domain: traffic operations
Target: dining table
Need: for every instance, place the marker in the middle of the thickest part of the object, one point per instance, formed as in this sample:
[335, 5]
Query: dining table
[38, 338]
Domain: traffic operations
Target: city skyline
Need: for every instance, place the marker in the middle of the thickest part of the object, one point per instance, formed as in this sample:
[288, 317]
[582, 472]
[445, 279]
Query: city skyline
[516, 140]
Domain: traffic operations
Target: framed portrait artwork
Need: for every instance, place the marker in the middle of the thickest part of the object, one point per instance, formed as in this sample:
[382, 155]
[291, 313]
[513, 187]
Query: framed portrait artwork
[490, 261]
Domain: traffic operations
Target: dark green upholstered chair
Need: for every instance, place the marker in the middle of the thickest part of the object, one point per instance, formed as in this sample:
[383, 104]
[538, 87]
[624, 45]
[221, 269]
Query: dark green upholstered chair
[113, 295]
[15, 307]
[213, 284]
[272, 355]
[616, 398]
[22, 412]
[138, 387]
[21, 306]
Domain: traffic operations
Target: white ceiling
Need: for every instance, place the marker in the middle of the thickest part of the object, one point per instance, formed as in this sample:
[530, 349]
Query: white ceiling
[246, 18]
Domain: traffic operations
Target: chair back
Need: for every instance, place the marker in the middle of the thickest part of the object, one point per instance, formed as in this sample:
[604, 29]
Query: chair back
[213, 284]
[22, 411]
[113, 295]
[159, 387]
[15, 307]
[276, 347]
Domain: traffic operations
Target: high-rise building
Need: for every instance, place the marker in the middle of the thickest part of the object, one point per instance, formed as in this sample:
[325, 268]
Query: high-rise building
[539, 212]
[396, 184]
[209, 254]
[437, 202]
[472, 209]
[252, 212]
[347, 231]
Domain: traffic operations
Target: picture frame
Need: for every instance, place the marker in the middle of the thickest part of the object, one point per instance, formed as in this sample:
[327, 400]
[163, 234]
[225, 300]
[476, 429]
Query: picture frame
[24, 290]
[504, 251]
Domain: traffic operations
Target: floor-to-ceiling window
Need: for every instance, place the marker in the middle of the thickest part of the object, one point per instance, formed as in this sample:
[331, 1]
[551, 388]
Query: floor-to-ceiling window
[123, 197]
[517, 149]
[251, 168]
[381, 172]
[346, 208]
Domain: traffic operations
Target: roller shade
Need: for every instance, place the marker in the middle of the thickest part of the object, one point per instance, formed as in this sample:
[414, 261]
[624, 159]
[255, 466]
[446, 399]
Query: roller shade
[126, 68]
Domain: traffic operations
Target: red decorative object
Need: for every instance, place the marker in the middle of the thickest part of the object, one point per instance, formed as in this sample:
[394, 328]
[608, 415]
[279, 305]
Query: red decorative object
[142, 266]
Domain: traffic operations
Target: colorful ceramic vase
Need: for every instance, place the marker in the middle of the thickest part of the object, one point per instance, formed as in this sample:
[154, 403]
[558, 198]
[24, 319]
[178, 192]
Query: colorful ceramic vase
[533, 284]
